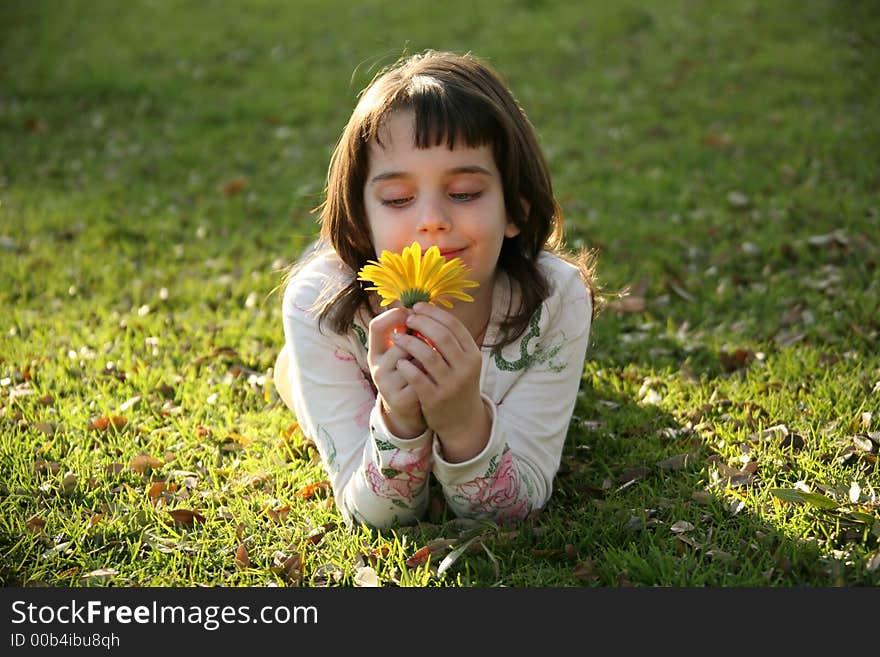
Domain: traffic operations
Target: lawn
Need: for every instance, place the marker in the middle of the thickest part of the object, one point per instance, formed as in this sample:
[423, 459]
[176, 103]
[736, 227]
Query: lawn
[158, 168]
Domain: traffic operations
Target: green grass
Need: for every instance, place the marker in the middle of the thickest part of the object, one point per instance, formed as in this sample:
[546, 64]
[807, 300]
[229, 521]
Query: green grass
[159, 164]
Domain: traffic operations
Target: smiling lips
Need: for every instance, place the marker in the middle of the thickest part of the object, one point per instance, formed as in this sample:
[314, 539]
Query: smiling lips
[451, 253]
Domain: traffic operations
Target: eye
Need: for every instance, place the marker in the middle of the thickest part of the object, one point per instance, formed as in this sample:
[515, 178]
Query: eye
[465, 196]
[397, 202]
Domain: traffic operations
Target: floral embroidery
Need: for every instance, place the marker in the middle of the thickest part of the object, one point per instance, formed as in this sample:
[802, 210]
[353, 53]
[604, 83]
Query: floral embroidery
[327, 447]
[498, 493]
[403, 476]
[362, 336]
[541, 354]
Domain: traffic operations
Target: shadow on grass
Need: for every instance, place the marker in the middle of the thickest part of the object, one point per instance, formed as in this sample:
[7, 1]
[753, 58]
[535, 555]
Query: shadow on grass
[642, 499]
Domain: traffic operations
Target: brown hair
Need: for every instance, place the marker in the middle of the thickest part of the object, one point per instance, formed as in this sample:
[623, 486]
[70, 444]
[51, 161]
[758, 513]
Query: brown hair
[455, 98]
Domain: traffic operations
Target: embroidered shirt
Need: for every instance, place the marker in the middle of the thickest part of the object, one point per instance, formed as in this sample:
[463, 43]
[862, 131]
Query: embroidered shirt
[529, 387]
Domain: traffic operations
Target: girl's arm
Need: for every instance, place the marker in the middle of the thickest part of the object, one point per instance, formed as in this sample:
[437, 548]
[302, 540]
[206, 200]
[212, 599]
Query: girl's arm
[530, 389]
[377, 478]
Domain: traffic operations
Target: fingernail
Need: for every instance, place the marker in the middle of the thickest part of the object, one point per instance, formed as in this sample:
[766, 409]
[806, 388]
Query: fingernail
[410, 320]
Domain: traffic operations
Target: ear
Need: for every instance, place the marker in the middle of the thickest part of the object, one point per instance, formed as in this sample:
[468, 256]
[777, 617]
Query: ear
[512, 230]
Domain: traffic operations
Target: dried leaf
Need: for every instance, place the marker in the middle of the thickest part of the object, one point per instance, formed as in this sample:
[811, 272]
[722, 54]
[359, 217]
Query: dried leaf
[35, 524]
[186, 516]
[628, 304]
[102, 574]
[104, 423]
[42, 467]
[863, 443]
[776, 432]
[114, 469]
[242, 559]
[68, 483]
[453, 556]
[309, 491]
[288, 567]
[681, 526]
[278, 515]
[586, 570]
[155, 491]
[419, 557]
[677, 462]
[736, 360]
[129, 403]
[317, 534]
[234, 186]
[256, 479]
[142, 462]
[366, 576]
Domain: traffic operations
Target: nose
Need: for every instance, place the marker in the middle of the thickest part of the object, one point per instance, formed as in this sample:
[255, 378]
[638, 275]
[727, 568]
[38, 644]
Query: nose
[433, 216]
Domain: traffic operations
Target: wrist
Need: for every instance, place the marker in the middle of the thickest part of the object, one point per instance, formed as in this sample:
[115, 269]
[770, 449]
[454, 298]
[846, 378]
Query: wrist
[468, 437]
[402, 426]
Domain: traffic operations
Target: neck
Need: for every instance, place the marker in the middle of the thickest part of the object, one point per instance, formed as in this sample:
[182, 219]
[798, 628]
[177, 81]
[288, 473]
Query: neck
[476, 315]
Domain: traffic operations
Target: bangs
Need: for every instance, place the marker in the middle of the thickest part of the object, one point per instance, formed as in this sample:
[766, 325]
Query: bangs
[444, 113]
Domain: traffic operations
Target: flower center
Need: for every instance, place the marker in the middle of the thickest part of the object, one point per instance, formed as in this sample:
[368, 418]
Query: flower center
[412, 296]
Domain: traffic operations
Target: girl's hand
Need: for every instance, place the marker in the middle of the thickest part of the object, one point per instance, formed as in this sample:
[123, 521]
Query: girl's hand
[446, 380]
[400, 403]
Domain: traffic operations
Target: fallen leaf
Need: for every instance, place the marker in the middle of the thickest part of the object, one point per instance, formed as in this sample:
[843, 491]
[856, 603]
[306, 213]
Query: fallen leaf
[278, 515]
[154, 494]
[255, 479]
[419, 557]
[68, 483]
[309, 491]
[366, 576]
[234, 186]
[735, 360]
[288, 567]
[317, 534]
[776, 432]
[633, 474]
[142, 462]
[104, 423]
[242, 559]
[129, 403]
[114, 469]
[102, 574]
[35, 524]
[628, 304]
[186, 516]
[681, 526]
[586, 570]
[42, 467]
[677, 462]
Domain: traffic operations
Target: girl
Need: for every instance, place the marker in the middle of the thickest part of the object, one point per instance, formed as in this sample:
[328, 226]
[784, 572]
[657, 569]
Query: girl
[438, 152]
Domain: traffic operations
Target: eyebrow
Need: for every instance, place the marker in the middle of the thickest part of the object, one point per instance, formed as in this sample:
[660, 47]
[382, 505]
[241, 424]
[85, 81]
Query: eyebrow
[391, 175]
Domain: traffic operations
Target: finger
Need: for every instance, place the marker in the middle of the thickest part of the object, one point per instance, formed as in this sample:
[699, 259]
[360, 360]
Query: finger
[382, 326]
[440, 335]
[432, 359]
[447, 319]
[417, 380]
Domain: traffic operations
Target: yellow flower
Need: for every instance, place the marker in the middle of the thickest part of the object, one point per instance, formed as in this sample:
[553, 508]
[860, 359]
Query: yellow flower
[413, 278]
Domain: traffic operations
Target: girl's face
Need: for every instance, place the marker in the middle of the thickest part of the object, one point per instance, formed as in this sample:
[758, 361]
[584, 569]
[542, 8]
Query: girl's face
[452, 199]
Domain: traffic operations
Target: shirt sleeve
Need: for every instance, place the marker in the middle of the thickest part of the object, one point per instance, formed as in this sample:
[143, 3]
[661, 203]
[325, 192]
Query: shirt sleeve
[377, 478]
[513, 475]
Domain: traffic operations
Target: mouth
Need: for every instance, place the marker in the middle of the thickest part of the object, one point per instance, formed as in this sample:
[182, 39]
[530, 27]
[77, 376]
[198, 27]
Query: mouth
[451, 253]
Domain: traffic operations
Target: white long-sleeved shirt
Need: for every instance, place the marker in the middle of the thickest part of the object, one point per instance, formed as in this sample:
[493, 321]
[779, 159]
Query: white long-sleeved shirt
[529, 387]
